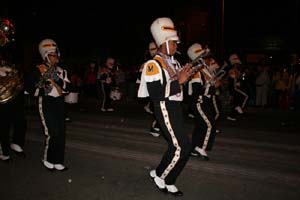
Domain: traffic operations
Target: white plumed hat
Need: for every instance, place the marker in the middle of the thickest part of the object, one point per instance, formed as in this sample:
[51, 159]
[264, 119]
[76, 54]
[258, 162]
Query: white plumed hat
[195, 51]
[163, 30]
[48, 46]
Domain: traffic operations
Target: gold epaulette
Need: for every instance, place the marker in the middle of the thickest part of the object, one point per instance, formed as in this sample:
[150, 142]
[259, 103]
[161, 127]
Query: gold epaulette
[161, 61]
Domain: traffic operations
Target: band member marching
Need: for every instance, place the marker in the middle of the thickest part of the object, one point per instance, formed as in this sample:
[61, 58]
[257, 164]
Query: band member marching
[162, 82]
[218, 74]
[239, 97]
[49, 83]
[154, 129]
[202, 89]
[151, 52]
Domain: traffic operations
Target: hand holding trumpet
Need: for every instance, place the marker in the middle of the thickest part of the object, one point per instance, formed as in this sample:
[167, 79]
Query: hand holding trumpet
[185, 74]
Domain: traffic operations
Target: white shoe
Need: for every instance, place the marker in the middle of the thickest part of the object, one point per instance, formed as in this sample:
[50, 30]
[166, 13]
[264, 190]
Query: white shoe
[160, 182]
[239, 109]
[48, 165]
[110, 110]
[201, 151]
[156, 129]
[154, 133]
[195, 153]
[153, 173]
[190, 115]
[231, 118]
[67, 119]
[60, 167]
[4, 158]
[16, 148]
[103, 110]
[172, 188]
[147, 109]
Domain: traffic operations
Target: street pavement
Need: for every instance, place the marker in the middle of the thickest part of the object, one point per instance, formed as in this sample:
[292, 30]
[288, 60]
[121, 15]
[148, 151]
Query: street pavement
[110, 154]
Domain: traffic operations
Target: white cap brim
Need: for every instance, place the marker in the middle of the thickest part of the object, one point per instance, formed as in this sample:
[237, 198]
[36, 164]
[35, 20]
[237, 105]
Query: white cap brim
[174, 38]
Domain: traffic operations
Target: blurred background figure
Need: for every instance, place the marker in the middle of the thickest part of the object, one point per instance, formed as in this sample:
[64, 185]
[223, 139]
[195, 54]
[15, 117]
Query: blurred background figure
[262, 84]
[75, 92]
[280, 82]
[107, 81]
[90, 80]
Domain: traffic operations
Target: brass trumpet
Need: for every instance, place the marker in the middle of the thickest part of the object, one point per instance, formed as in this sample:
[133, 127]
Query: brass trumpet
[221, 72]
[199, 65]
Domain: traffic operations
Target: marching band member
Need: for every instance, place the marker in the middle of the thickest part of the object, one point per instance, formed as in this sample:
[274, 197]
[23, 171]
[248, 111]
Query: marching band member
[239, 97]
[12, 109]
[162, 81]
[12, 99]
[202, 88]
[152, 50]
[154, 129]
[107, 80]
[149, 107]
[49, 82]
[218, 73]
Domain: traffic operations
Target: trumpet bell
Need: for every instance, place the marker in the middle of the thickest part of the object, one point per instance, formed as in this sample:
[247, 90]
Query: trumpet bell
[10, 85]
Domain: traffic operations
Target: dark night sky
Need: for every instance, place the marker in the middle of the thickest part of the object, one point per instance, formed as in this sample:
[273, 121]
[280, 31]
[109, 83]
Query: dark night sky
[264, 17]
[90, 27]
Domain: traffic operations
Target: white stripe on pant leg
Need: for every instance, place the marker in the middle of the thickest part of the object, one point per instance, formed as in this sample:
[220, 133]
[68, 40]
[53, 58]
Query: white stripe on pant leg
[176, 156]
[216, 107]
[209, 127]
[46, 132]
[104, 95]
[245, 97]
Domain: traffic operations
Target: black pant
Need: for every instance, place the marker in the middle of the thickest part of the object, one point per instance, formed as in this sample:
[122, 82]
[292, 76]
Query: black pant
[240, 98]
[12, 119]
[170, 118]
[105, 94]
[52, 115]
[204, 131]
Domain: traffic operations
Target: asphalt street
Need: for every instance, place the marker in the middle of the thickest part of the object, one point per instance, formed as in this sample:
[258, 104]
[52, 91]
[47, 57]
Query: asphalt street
[110, 154]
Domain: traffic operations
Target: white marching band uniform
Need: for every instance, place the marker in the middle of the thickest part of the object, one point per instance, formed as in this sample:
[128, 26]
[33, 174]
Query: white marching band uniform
[159, 82]
[240, 97]
[202, 91]
[50, 84]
